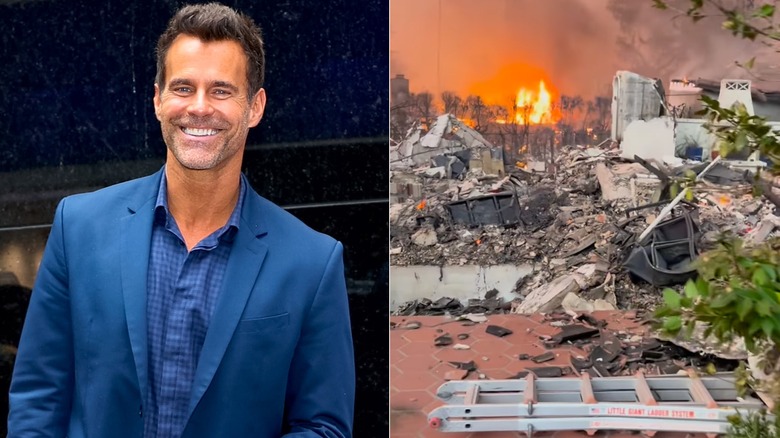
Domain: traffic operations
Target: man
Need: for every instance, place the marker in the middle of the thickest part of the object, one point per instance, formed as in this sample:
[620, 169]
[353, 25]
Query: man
[183, 304]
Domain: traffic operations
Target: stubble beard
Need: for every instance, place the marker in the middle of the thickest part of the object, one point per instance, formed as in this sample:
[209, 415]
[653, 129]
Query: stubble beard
[203, 155]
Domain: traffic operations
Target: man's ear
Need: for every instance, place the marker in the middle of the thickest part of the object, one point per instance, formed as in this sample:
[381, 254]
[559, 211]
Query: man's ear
[157, 102]
[256, 108]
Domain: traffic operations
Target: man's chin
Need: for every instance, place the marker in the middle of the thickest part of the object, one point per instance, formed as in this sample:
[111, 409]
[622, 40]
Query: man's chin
[195, 163]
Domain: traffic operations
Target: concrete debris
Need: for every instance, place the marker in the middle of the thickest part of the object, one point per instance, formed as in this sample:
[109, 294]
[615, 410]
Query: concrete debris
[575, 225]
[436, 172]
[549, 296]
[763, 229]
[425, 237]
[610, 188]
[574, 303]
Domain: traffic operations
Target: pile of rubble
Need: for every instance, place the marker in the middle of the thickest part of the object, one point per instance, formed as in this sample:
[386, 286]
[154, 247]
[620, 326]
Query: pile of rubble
[578, 222]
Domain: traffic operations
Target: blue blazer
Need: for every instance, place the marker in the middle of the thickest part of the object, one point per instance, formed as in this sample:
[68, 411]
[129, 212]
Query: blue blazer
[277, 359]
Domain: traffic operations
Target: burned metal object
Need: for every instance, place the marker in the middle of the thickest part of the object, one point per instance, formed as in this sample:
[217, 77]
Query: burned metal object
[494, 209]
[535, 211]
[668, 258]
[538, 208]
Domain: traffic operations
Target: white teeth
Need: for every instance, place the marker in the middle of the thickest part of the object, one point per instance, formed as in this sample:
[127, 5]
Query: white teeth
[199, 132]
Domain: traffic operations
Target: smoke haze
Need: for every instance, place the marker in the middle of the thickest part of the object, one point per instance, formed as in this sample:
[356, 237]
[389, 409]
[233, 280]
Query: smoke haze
[493, 47]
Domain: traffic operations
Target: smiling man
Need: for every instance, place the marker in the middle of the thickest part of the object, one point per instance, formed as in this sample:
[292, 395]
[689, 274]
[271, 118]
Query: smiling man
[183, 304]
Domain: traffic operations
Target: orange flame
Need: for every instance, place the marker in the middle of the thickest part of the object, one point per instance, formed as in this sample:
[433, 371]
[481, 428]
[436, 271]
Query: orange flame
[468, 122]
[537, 107]
[421, 205]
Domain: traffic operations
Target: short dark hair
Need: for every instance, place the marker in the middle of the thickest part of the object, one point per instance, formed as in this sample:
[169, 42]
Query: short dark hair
[216, 22]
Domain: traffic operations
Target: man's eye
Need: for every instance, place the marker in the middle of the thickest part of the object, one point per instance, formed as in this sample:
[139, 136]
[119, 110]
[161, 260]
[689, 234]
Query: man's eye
[221, 93]
[182, 90]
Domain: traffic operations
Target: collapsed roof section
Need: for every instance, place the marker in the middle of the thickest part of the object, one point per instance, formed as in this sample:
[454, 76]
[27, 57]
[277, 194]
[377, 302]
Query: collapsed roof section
[448, 136]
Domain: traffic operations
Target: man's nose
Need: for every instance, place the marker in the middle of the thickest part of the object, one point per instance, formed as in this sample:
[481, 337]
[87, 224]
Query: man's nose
[200, 104]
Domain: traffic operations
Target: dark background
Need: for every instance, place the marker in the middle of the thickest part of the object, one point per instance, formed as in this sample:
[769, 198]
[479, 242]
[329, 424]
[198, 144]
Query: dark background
[76, 83]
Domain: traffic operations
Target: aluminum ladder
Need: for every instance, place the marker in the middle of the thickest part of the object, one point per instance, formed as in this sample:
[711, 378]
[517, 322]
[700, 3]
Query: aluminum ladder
[674, 403]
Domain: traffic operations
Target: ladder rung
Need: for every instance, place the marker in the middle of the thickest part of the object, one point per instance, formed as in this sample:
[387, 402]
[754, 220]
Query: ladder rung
[472, 395]
[586, 390]
[643, 391]
[530, 389]
[699, 391]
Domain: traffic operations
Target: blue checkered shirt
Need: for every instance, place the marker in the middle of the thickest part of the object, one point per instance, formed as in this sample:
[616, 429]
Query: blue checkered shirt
[183, 288]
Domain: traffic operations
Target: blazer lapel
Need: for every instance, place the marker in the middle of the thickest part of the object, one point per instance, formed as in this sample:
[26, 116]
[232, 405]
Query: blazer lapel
[246, 258]
[136, 236]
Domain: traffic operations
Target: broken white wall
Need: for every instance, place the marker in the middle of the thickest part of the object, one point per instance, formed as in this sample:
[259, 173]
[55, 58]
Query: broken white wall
[653, 139]
[460, 282]
[634, 97]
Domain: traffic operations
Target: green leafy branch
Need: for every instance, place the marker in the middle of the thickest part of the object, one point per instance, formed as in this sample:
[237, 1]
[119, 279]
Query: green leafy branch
[737, 294]
[736, 130]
